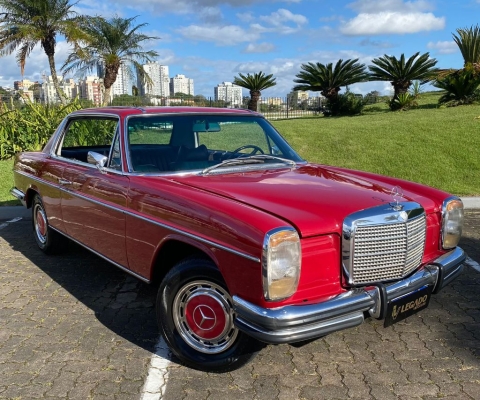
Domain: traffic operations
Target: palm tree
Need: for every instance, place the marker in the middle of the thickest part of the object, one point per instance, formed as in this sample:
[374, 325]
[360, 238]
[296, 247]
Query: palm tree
[111, 44]
[459, 87]
[468, 41]
[401, 73]
[255, 83]
[25, 23]
[327, 79]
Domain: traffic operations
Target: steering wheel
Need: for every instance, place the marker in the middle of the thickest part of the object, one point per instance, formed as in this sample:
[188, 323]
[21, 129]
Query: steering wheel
[255, 149]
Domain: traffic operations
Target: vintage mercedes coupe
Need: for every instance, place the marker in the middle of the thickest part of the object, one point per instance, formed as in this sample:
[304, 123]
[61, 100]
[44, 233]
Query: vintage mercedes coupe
[248, 242]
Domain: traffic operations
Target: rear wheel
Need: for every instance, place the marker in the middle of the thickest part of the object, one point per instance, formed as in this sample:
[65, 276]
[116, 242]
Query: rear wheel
[48, 240]
[195, 315]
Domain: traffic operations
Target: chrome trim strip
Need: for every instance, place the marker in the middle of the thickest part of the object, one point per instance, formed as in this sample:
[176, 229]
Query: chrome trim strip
[162, 225]
[129, 271]
[200, 239]
[293, 323]
[75, 115]
[18, 194]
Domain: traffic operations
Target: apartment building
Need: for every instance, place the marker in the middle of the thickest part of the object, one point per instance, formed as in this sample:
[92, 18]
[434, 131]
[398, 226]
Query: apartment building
[181, 84]
[229, 93]
[160, 85]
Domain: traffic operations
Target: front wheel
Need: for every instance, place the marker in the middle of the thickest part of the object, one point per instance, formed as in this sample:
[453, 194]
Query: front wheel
[195, 315]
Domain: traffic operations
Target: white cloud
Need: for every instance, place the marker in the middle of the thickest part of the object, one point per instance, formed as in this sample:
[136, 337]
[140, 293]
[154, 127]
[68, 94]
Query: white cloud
[259, 48]
[180, 6]
[35, 66]
[388, 22]
[211, 14]
[247, 17]
[445, 47]
[93, 7]
[280, 21]
[375, 6]
[376, 43]
[277, 18]
[220, 35]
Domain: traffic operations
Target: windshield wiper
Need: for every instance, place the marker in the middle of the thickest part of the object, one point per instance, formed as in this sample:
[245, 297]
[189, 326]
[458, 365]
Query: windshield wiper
[255, 159]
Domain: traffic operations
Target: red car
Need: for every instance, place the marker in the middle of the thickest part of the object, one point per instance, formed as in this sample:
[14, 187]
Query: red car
[246, 239]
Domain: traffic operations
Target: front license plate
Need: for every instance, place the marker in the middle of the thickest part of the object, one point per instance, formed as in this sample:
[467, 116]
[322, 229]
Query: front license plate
[407, 305]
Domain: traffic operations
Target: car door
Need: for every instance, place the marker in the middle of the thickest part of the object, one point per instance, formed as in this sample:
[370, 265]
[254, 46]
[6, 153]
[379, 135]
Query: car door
[94, 198]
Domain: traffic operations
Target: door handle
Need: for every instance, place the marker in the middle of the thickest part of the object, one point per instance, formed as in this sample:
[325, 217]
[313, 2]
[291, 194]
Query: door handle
[64, 182]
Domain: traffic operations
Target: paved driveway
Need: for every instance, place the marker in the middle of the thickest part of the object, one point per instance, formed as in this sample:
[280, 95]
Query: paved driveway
[72, 326]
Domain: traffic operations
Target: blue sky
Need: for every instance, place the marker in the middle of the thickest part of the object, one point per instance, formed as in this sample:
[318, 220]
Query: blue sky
[211, 41]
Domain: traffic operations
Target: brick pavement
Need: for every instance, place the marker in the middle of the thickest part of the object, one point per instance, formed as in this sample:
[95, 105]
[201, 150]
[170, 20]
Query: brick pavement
[73, 326]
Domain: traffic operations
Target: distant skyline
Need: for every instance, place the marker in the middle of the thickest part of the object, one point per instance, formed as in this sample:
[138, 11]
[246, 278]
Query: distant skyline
[211, 41]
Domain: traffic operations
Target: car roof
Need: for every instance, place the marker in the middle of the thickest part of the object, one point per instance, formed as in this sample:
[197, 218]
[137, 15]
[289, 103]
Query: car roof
[123, 111]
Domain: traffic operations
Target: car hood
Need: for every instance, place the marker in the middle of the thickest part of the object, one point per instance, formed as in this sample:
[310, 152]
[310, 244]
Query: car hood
[313, 198]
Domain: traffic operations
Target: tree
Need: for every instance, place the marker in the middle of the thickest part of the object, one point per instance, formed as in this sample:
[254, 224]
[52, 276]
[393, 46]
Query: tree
[460, 87]
[255, 83]
[327, 79]
[25, 23]
[111, 43]
[401, 73]
[468, 41]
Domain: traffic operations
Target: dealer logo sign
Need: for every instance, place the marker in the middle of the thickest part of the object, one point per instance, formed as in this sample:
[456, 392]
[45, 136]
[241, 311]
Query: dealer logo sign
[408, 305]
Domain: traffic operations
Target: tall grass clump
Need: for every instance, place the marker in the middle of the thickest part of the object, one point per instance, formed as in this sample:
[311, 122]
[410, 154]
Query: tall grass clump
[30, 127]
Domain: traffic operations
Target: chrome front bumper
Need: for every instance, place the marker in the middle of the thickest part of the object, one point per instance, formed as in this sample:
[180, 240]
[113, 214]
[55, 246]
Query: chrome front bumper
[294, 323]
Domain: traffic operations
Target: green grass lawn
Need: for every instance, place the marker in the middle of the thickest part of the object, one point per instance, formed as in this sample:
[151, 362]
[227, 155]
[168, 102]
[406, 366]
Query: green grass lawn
[439, 147]
[6, 183]
[436, 146]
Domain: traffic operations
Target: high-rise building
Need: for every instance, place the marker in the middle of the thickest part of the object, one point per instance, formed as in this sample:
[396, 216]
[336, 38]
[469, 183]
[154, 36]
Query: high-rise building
[181, 84]
[91, 88]
[121, 84]
[24, 84]
[229, 93]
[160, 81]
[48, 93]
[297, 96]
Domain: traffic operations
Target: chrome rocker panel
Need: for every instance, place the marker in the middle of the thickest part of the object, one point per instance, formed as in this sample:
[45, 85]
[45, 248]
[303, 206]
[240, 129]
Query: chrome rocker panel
[291, 324]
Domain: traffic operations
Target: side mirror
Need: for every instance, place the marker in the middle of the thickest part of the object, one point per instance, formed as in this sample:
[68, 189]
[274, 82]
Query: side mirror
[97, 159]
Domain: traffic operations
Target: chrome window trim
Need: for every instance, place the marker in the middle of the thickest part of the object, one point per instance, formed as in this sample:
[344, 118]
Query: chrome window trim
[160, 224]
[444, 212]
[60, 132]
[166, 114]
[130, 170]
[384, 214]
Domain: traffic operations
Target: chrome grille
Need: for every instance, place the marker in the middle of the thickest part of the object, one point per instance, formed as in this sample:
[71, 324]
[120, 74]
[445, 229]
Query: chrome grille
[383, 247]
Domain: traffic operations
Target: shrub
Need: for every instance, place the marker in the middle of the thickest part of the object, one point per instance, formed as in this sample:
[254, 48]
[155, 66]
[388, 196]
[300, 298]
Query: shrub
[403, 102]
[30, 127]
[346, 104]
[461, 87]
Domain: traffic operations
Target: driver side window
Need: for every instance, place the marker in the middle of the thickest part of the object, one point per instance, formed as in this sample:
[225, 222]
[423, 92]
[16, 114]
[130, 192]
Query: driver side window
[235, 135]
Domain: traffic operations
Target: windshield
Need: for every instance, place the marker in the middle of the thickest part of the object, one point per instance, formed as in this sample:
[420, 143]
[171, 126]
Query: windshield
[187, 142]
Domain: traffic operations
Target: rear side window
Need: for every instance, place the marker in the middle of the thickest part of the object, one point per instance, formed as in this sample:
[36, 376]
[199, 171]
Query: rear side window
[89, 134]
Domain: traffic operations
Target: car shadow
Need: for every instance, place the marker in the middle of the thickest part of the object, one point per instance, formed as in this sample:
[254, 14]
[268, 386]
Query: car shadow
[125, 305]
[122, 303]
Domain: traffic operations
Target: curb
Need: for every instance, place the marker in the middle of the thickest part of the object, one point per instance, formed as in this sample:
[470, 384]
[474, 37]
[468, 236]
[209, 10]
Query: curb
[471, 202]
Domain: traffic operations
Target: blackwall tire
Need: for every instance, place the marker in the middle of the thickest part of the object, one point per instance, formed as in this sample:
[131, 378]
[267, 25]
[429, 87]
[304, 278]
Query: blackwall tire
[195, 316]
[48, 240]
